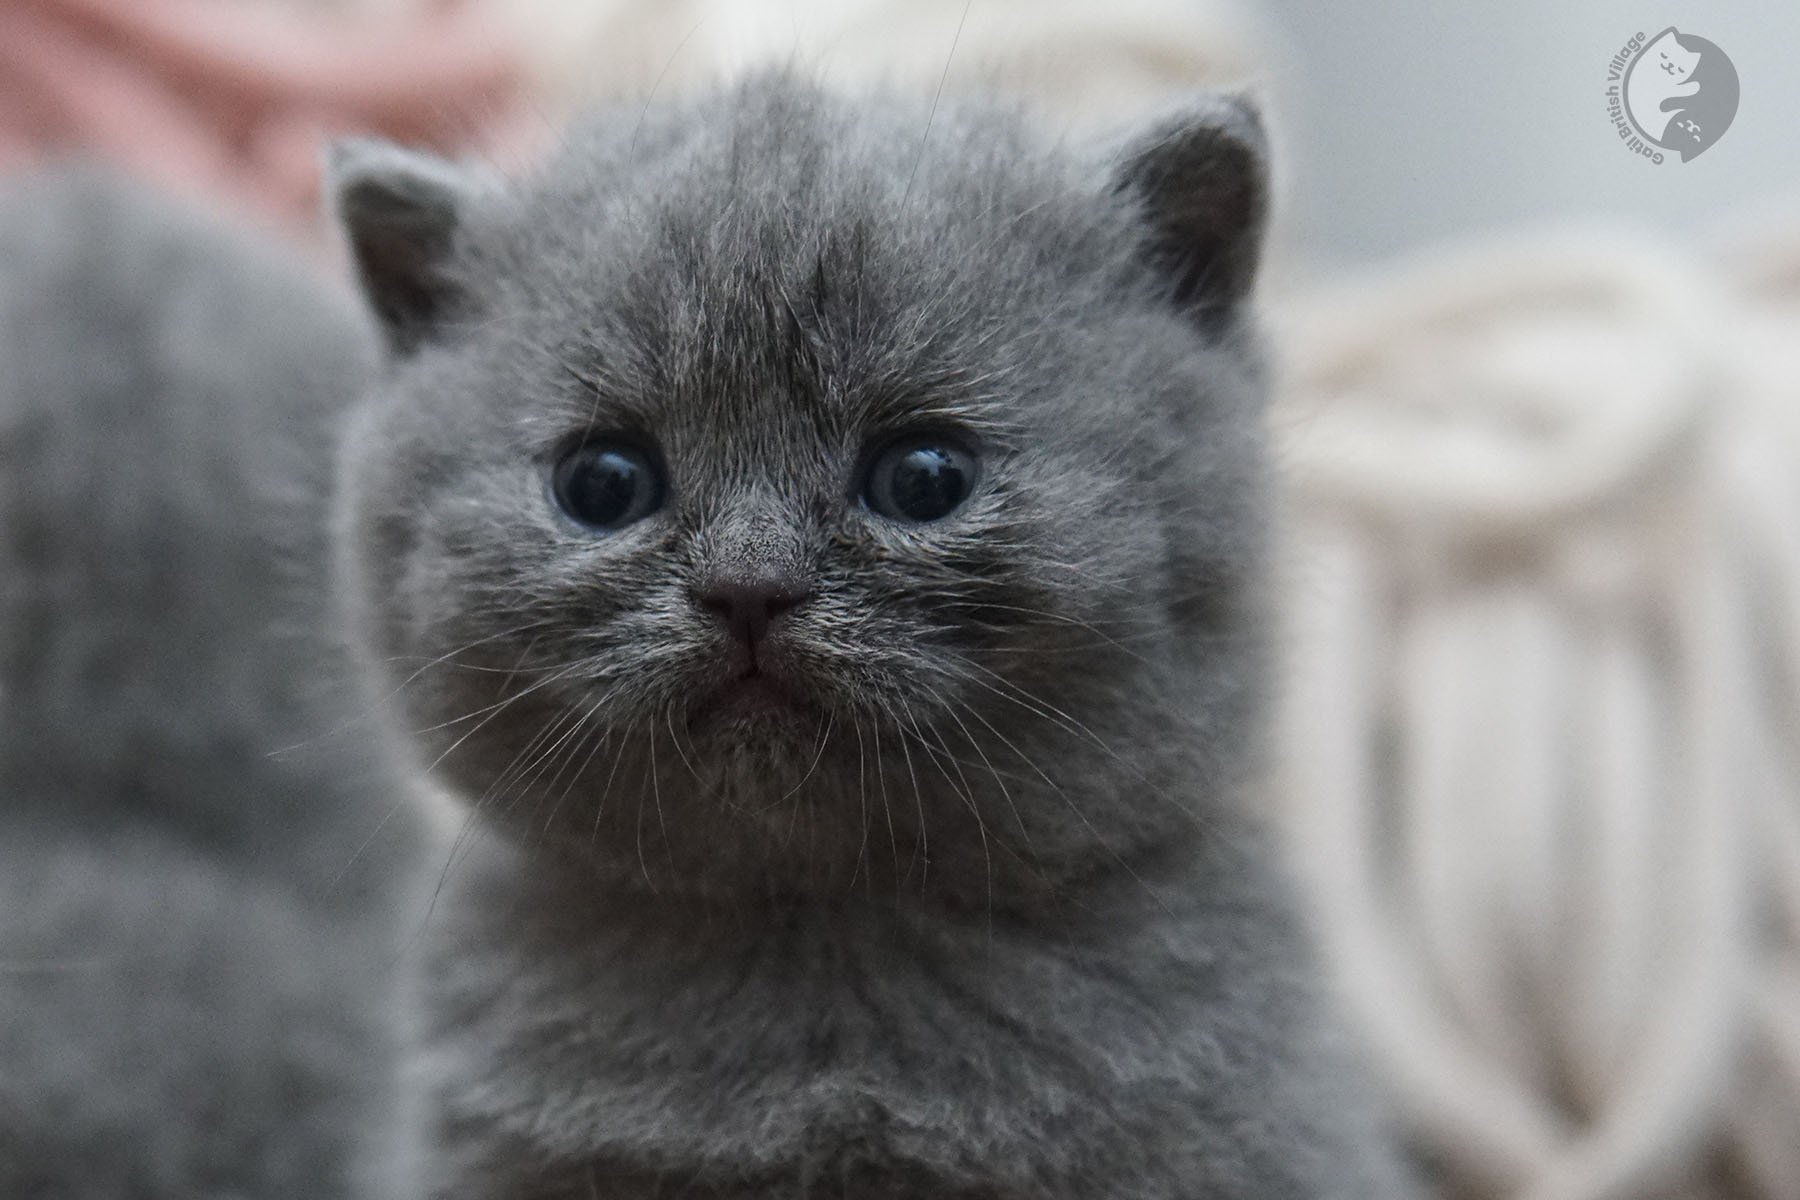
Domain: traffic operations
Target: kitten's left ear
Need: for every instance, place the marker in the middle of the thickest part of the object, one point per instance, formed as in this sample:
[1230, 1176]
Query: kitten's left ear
[1202, 179]
[400, 210]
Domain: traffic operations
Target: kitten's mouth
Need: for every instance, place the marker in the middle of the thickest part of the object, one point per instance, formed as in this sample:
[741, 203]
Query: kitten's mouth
[754, 691]
[750, 696]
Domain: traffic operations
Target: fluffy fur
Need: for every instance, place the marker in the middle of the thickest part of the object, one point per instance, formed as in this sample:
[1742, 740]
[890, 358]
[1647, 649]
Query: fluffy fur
[978, 910]
[195, 951]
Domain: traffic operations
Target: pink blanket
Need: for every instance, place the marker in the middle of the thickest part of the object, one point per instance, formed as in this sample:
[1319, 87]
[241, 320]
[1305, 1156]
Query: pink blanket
[231, 98]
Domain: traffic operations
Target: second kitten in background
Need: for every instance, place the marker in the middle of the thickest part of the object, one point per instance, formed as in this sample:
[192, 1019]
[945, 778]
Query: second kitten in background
[202, 857]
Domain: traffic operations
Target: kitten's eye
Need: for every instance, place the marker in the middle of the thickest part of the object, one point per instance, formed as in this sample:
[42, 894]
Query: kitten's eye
[607, 484]
[920, 478]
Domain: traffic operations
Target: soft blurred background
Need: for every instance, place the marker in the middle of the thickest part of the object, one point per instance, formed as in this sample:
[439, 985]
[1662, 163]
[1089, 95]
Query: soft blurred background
[1413, 122]
[1539, 419]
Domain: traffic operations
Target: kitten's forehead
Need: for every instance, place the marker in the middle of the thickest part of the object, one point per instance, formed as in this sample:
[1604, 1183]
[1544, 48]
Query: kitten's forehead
[776, 167]
[788, 254]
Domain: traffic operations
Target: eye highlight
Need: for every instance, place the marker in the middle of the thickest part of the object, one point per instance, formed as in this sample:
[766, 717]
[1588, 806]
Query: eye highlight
[920, 477]
[608, 483]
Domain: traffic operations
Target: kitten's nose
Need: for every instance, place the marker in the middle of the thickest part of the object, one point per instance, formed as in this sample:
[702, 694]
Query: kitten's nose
[747, 606]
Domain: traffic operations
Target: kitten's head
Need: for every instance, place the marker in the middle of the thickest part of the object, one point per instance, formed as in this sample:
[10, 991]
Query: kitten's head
[1674, 61]
[783, 493]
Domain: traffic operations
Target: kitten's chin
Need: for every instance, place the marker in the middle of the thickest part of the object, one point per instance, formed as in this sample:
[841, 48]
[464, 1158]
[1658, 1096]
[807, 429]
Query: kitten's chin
[755, 709]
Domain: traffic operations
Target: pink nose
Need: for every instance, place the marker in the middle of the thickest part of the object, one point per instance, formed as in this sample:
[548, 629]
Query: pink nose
[747, 607]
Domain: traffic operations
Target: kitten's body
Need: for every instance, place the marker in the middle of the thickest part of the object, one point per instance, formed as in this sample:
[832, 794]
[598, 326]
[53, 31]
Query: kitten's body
[957, 897]
[195, 960]
[588, 1045]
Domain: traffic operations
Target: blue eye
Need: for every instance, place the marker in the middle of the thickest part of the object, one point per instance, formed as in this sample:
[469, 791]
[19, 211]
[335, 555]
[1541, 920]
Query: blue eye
[922, 477]
[607, 484]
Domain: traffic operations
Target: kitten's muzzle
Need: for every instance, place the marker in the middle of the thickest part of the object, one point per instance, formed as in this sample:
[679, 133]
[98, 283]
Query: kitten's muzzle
[747, 606]
[759, 684]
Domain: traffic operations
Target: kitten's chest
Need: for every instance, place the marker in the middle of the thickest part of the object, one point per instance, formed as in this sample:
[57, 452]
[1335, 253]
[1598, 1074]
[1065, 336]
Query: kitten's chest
[860, 1054]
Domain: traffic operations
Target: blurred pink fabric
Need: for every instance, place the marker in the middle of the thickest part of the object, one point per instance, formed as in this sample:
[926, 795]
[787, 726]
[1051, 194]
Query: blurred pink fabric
[232, 99]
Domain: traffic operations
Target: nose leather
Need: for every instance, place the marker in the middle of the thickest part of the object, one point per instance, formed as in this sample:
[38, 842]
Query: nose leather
[747, 606]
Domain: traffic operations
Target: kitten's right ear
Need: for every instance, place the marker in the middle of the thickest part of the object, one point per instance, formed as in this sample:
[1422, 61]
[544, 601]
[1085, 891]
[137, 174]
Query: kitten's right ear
[400, 210]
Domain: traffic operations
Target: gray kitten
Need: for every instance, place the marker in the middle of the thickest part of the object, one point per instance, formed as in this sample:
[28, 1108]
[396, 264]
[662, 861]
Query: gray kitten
[820, 546]
[196, 951]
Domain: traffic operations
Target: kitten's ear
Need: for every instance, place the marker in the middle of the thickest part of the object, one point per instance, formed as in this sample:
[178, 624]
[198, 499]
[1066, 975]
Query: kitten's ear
[1202, 179]
[400, 210]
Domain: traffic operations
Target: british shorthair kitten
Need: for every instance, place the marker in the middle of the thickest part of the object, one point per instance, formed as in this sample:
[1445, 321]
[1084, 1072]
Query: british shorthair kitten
[817, 547]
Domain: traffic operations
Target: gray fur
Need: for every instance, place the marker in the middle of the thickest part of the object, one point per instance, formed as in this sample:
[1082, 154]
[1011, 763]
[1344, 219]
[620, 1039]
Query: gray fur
[988, 917]
[196, 956]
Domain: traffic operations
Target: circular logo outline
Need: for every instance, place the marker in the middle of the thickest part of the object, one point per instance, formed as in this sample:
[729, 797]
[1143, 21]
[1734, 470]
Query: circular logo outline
[1685, 151]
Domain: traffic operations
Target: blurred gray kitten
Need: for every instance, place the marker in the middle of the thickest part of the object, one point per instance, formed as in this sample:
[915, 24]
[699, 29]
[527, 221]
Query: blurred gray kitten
[820, 545]
[196, 950]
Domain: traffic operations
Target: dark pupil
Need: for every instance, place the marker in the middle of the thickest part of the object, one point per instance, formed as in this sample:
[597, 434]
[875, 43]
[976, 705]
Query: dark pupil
[598, 487]
[927, 484]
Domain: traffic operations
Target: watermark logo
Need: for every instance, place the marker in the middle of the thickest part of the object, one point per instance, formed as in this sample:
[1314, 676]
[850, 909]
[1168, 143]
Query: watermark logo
[1675, 92]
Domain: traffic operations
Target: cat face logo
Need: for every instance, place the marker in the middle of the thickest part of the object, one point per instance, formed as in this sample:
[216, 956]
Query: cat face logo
[1679, 92]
